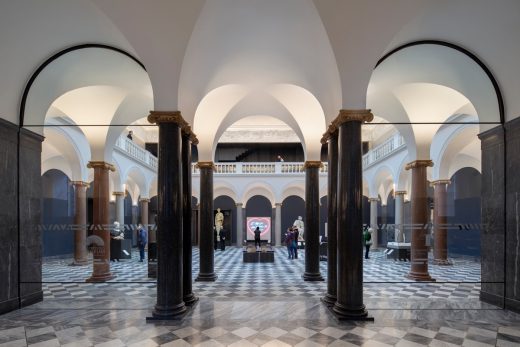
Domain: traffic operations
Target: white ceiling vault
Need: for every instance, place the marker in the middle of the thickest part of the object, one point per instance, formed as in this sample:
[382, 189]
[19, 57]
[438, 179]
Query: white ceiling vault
[280, 66]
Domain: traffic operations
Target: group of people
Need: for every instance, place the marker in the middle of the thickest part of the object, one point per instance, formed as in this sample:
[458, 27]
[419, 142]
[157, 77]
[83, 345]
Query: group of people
[291, 241]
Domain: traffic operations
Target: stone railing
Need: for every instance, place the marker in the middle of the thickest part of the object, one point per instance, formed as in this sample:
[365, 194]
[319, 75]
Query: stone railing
[128, 147]
[272, 168]
[373, 156]
[383, 150]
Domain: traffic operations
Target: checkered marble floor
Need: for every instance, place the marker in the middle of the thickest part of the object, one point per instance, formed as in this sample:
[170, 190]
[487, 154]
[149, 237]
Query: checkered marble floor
[279, 280]
[261, 305]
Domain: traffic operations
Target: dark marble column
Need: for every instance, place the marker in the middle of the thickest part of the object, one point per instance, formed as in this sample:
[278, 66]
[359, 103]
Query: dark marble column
[29, 197]
[419, 200]
[80, 223]
[440, 220]
[100, 241]
[187, 139]
[332, 219]
[312, 221]
[240, 225]
[206, 269]
[349, 304]
[170, 303]
[9, 200]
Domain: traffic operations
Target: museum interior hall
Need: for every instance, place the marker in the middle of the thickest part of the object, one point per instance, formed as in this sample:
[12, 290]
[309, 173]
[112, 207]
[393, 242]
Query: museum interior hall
[259, 173]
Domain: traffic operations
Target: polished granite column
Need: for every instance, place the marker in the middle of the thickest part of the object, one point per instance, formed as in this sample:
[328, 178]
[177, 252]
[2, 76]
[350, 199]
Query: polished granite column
[120, 208]
[349, 304]
[419, 200]
[312, 221]
[240, 225]
[206, 251]
[170, 303]
[144, 213]
[440, 220]
[332, 218]
[100, 241]
[399, 215]
[373, 220]
[188, 138]
[278, 224]
[80, 223]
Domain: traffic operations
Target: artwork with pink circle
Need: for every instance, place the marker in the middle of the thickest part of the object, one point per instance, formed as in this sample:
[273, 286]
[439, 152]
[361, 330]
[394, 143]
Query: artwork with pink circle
[263, 223]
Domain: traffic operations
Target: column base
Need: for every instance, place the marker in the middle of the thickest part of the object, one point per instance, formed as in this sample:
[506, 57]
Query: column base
[312, 277]
[202, 277]
[420, 276]
[152, 269]
[100, 278]
[342, 313]
[170, 313]
[190, 299]
[329, 300]
[79, 263]
[443, 262]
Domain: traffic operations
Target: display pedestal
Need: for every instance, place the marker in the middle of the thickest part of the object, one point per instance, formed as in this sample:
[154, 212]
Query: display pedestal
[120, 249]
[398, 251]
[264, 255]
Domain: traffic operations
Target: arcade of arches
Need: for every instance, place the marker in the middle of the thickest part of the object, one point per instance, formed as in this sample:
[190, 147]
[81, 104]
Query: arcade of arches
[390, 128]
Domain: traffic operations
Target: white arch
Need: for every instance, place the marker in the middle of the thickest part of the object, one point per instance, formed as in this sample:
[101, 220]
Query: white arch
[258, 188]
[223, 189]
[296, 188]
[136, 175]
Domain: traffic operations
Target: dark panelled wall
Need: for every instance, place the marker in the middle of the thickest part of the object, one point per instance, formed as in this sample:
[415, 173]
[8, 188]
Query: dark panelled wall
[464, 211]
[229, 208]
[57, 196]
[292, 207]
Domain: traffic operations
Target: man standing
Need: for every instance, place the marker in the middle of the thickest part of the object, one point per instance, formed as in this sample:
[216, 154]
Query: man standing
[142, 239]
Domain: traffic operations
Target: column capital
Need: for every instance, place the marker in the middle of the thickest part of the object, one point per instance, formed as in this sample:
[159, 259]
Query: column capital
[373, 199]
[80, 184]
[158, 117]
[205, 165]
[101, 165]
[239, 204]
[188, 132]
[419, 163]
[144, 200]
[332, 131]
[309, 164]
[352, 116]
[400, 192]
[276, 204]
[118, 193]
[445, 181]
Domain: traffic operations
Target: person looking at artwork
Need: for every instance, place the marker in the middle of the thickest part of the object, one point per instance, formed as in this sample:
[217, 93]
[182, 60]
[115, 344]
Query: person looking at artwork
[142, 238]
[289, 238]
[257, 238]
[367, 240]
[296, 235]
[222, 235]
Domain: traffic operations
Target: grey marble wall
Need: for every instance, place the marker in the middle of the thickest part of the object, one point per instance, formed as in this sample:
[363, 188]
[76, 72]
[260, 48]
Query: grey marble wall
[513, 215]
[8, 217]
[493, 231]
[30, 217]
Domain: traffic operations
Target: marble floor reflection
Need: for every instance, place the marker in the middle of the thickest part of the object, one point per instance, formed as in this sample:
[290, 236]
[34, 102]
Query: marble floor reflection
[260, 305]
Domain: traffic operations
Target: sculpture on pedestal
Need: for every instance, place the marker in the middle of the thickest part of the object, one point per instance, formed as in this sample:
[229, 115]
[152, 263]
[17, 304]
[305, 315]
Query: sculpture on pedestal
[300, 226]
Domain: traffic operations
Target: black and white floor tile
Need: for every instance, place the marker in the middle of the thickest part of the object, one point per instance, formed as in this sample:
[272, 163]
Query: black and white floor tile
[383, 279]
[261, 305]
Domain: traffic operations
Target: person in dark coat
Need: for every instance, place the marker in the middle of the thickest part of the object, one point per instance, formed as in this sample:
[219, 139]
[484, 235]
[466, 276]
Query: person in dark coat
[257, 237]
[222, 239]
[142, 240]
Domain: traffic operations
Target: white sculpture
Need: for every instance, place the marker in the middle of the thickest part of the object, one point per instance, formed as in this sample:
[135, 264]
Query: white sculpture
[300, 226]
[219, 222]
